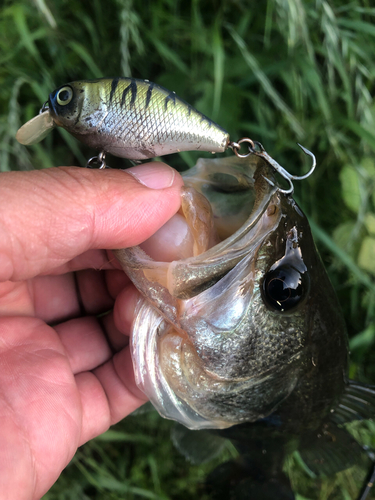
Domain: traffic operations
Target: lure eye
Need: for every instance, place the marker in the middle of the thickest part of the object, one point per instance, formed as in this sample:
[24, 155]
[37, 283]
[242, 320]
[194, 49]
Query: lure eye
[64, 96]
[285, 287]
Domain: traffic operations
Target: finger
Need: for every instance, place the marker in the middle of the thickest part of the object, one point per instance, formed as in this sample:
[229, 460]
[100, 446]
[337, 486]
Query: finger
[84, 342]
[173, 241]
[117, 340]
[108, 395]
[58, 298]
[55, 297]
[49, 217]
[116, 281]
[91, 259]
[90, 341]
[124, 309]
[15, 299]
[93, 292]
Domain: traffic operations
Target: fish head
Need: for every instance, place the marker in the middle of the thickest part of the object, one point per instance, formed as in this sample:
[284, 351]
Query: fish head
[62, 109]
[233, 332]
[65, 104]
[78, 107]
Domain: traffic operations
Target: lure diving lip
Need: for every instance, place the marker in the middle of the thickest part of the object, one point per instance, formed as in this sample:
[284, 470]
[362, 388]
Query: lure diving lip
[36, 129]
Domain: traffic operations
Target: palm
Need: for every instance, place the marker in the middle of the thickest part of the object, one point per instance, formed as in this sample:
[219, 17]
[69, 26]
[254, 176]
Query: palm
[55, 396]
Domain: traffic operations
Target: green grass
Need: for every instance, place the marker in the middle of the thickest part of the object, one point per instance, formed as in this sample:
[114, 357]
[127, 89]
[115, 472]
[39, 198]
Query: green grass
[279, 71]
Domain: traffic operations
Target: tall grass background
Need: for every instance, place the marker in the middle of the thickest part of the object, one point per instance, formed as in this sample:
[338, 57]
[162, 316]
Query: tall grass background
[279, 71]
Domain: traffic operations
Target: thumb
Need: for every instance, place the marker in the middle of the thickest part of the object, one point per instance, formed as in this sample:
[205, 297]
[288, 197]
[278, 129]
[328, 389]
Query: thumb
[48, 217]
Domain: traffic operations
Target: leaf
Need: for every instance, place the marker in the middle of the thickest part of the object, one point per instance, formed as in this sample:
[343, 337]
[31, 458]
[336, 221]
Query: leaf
[350, 188]
[366, 257]
[219, 57]
[112, 435]
[265, 83]
[362, 132]
[363, 339]
[370, 223]
[358, 26]
[85, 56]
[171, 56]
[345, 258]
[342, 233]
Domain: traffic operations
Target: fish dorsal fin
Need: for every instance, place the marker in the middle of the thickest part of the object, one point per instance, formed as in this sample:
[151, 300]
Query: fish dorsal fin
[197, 446]
[330, 450]
[357, 403]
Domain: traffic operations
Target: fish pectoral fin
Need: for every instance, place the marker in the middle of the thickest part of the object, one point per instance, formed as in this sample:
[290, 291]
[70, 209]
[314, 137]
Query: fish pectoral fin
[356, 403]
[197, 446]
[331, 449]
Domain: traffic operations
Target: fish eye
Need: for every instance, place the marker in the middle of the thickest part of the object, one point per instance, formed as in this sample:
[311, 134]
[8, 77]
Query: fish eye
[64, 96]
[285, 287]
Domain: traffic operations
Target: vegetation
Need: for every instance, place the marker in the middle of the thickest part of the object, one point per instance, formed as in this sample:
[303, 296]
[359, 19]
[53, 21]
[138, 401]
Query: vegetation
[279, 71]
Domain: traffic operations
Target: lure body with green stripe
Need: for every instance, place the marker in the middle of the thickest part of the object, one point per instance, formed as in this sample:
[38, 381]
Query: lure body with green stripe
[133, 119]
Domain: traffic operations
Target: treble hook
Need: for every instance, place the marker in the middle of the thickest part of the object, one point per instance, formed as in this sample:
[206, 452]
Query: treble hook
[281, 170]
[284, 173]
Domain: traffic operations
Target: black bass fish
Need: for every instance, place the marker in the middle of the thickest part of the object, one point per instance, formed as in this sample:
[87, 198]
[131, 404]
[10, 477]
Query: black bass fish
[245, 337]
[126, 117]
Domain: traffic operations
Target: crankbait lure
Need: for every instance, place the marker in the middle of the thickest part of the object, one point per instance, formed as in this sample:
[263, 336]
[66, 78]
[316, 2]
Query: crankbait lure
[135, 119]
[126, 117]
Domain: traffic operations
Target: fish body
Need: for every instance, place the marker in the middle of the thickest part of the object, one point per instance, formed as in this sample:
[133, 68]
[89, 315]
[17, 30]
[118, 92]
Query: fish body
[245, 339]
[126, 117]
[247, 326]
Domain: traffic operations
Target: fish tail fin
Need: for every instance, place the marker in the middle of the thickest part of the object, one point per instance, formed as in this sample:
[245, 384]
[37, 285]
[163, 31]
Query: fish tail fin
[357, 403]
[340, 442]
[331, 449]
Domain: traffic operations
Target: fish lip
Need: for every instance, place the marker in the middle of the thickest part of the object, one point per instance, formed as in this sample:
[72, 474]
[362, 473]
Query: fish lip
[221, 258]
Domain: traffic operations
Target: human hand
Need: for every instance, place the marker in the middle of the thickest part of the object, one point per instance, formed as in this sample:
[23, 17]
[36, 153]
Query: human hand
[65, 375]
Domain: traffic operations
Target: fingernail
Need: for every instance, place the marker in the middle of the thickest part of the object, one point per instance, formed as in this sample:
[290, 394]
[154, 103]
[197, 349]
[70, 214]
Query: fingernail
[154, 175]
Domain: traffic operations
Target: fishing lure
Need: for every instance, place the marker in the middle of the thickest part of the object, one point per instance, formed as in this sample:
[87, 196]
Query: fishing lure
[138, 120]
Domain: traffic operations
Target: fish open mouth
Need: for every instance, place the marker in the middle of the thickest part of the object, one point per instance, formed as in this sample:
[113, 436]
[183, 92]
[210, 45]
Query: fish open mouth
[195, 337]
